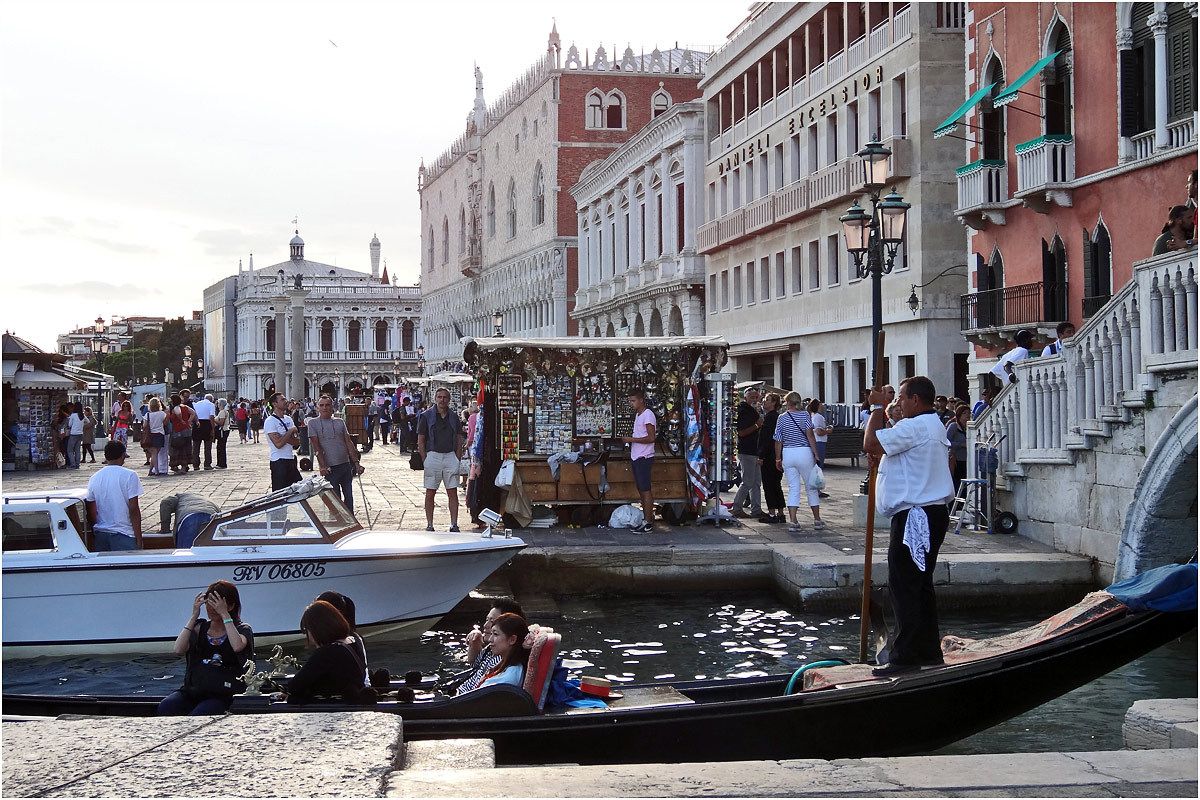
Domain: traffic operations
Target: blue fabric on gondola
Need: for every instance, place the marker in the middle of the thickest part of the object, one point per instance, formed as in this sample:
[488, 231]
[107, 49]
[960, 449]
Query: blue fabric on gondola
[565, 692]
[1169, 588]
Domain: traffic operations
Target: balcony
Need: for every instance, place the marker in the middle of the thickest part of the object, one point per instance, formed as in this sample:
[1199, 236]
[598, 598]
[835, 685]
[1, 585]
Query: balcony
[732, 227]
[791, 201]
[471, 262]
[990, 317]
[982, 193]
[760, 213]
[830, 185]
[314, 356]
[1045, 169]
[1091, 305]
[706, 237]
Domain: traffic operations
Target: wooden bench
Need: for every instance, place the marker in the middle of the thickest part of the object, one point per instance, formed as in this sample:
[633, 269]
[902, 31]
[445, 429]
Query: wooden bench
[844, 443]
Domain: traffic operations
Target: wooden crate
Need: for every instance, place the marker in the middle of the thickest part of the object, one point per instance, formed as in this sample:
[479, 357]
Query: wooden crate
[534, 472]
[541, 492]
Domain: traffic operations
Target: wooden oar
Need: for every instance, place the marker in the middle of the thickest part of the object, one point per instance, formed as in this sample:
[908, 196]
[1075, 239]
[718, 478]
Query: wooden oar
[864, 625]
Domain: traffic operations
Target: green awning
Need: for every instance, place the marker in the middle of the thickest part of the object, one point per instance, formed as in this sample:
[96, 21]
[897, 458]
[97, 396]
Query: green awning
[952, 121]
[1010, 92]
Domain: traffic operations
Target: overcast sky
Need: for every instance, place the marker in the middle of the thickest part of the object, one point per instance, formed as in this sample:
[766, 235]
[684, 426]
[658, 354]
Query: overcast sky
[146, 146]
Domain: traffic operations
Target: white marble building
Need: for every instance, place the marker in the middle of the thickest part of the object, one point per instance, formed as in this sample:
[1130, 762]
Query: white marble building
[639, 273]
[359, 326]
[793, 94]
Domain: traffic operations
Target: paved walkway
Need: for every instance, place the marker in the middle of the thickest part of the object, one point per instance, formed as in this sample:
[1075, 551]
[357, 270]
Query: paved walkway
[395, 498]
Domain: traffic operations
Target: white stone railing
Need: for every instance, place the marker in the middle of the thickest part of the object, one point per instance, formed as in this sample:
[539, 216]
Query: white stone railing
[1142, 145]
[333, 355]
[1045, 161]
[706, 237]
[791, 200]
[1182, 132]
[1112, 365]
[879, 38]
[760, 213]
[982, 183]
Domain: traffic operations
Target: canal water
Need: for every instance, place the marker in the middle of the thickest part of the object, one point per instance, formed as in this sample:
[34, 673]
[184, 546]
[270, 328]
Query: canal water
[675, 638]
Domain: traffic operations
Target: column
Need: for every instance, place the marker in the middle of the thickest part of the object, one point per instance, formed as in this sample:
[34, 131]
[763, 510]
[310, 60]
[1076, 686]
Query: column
[1089, 367]
[1158, 25]
[298, 352]
[777, 369]
[668, 200]
[280, 332]
[1124, 42]
[635, 256]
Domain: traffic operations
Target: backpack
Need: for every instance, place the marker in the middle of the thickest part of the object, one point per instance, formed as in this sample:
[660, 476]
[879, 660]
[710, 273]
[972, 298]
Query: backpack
[240, 415]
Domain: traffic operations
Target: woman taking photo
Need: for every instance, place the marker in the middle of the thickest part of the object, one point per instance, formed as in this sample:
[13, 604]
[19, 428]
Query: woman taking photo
[795, 455]
[772, 476]
[508, 642]
[216, 650]
[334, 669]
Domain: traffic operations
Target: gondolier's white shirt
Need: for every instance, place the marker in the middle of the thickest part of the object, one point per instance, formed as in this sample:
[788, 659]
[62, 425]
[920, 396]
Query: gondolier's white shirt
[916, 468]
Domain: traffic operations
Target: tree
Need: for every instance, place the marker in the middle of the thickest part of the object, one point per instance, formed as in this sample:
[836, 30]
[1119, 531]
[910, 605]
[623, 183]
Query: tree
[133, 362]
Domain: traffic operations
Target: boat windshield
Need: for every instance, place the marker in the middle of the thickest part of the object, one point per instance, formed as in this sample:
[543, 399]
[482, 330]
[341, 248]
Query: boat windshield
[331, 514]
[288, 522]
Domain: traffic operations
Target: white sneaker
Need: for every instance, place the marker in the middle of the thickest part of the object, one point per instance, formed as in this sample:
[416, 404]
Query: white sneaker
[818, 524]
[794, 527]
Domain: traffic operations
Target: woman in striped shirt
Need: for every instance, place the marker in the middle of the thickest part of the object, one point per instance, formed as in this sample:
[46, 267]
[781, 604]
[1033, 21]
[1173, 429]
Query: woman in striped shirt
[795, 456]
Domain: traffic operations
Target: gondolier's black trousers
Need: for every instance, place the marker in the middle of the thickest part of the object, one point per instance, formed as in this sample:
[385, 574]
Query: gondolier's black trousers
[917, 639]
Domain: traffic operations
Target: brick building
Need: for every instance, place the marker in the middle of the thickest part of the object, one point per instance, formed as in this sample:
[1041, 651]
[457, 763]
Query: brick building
[498, 224]
[1080, 124]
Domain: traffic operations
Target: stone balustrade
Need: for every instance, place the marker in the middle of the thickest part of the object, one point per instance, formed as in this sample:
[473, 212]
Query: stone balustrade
[1113, 365]
[1046, 161]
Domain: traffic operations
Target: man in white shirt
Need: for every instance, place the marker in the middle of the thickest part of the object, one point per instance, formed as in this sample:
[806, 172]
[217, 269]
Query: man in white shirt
[281, 438]
[913, 486]
[1065, 330]
[206, 413]
[112, 503]
[1003, 369]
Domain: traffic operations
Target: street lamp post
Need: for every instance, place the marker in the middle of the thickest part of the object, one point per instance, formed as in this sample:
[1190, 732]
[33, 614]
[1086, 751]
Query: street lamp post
[187, 364]
[875, 238]
[914, 303]
[421, 360]
[497, 323]
[99, 343]
[337, 381]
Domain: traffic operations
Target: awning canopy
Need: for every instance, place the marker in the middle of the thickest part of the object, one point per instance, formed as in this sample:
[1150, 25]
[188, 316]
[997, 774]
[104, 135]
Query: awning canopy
[24, 376]
[952, 121]
[598, 342]
[1013, 89]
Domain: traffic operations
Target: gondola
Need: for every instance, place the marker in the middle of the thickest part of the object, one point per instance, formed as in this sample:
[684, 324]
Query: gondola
[837, 712]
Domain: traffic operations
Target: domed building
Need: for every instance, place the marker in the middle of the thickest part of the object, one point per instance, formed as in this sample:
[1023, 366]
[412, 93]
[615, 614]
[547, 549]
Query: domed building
[360, 328]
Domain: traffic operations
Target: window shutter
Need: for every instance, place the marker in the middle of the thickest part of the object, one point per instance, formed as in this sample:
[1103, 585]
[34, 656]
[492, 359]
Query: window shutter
[1132, 92]
[1180, 75]
[1089, 266]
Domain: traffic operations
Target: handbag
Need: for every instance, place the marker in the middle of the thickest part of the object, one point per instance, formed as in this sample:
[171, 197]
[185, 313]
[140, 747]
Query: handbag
[464, 465]
[415, 461]
[816, 478]
[504, 478]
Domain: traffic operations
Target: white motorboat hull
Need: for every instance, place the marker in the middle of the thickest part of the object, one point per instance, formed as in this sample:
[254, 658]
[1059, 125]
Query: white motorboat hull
[138, 602]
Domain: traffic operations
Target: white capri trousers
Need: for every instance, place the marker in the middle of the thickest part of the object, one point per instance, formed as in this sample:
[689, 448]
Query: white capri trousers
[798, 463]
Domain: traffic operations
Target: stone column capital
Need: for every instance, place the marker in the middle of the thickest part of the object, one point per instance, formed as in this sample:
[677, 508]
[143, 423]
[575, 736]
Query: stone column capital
[1158, 23]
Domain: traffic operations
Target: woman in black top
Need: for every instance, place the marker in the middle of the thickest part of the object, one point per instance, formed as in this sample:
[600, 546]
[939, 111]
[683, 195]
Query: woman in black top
[216, 649]
[345, 607]
[772, 478]
[334, 669]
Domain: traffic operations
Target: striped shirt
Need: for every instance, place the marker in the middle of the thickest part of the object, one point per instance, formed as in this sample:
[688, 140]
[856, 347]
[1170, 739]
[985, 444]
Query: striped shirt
[790, 428]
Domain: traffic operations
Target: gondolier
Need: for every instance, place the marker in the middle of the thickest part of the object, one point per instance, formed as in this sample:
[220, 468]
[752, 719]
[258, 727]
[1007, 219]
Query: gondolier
[914, 485]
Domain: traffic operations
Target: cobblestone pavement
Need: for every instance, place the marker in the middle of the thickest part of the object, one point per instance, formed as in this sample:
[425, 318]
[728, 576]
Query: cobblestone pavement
[395, 498]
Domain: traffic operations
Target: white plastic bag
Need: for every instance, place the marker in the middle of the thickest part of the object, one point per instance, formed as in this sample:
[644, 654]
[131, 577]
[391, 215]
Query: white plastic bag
[504, 477]
[816, 478]
[626, 516]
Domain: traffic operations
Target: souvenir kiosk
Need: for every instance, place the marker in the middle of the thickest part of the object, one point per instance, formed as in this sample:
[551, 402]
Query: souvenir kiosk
[544, 397]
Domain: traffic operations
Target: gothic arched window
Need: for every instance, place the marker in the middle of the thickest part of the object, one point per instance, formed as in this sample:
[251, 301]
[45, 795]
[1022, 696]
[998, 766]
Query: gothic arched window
[462, 231]
[381, 336]
[1056, 82]
[326, 336]
[614, 110]
[445, 241]
[407, 332]
[491, 210]
[270, 335]
[512, 209]
[595, 110]
[354, 336]
[1097, 269]
[430, 262]
[539, 195]
[993, 116]
[660, 101]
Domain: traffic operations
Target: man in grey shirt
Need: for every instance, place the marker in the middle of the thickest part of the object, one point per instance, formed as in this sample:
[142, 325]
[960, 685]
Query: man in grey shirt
[440, 442]
[180, 506]
[335, 450]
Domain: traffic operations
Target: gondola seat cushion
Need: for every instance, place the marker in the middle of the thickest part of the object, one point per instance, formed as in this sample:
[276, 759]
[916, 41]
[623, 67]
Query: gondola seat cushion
[543, 644]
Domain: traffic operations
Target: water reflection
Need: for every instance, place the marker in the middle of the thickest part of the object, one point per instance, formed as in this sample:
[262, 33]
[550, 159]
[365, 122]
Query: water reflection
[672, 638]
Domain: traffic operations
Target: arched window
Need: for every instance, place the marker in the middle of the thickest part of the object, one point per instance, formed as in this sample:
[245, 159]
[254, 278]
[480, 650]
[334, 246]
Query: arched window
[990, 308]
[660, 101]
[993, 116]
[462, 231]
[1097, 269]
[512, 209]
[429, 261]
[381, 336]
[595, 110]
[407, 332]
[1054, 280]
[1056, 81]
[270, 335]
[445, 241]
[614, 110]
[354, 335]
[539, 195]
[491, 210]
[326, 336]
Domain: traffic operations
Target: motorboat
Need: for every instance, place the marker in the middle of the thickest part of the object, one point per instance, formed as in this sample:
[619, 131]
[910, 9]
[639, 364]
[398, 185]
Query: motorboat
[823, 710]
[281, 550]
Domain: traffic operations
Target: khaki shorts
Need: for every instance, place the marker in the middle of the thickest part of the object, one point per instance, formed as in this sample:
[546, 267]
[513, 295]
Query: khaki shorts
[441, 468]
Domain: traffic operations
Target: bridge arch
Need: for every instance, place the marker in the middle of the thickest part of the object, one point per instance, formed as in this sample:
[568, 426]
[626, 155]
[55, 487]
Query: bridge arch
[1160, 526]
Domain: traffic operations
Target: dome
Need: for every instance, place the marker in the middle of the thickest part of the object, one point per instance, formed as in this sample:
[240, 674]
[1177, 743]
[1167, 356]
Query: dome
[296, 239]
[375, 239]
